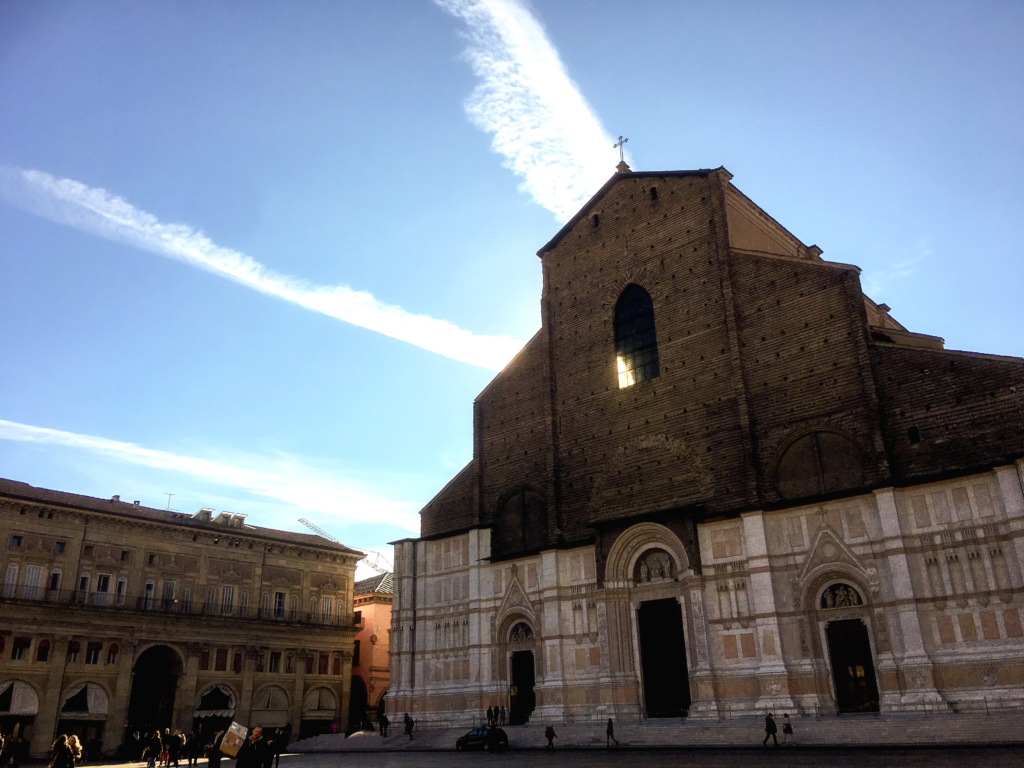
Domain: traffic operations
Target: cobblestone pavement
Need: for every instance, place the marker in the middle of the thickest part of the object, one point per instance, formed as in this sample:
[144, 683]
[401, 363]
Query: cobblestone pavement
[955, 757]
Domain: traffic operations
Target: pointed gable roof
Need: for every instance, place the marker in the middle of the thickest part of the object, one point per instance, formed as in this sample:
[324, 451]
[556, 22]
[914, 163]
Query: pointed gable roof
[616, 177]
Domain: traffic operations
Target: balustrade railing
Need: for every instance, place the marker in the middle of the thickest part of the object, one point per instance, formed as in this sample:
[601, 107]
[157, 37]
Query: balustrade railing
[159, 604]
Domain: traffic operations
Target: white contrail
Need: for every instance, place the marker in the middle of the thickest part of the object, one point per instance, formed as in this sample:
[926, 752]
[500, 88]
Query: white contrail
[284, 479]
[541, 123]
[99, 212]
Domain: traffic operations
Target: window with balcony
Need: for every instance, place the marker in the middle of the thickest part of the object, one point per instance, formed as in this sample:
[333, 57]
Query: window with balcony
[73, 649]
[33, 581]
[19, 649]
[83, 587]
[243, 604]
[147, 600]
[275, 661]
[10, 579]
[102, 589]
[112, 653]
[325, 609]
[122, 591]
[55, 581]
[227, 600]
[167, 600]
[279, 604]
[265, 605]
[92, 653]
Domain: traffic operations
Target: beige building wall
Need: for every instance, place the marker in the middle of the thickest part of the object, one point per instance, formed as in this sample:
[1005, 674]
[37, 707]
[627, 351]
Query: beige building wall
[935, 573]
[88, 586]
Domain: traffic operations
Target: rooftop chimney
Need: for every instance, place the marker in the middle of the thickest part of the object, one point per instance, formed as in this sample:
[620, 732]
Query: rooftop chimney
[115, 498]
[137, 503]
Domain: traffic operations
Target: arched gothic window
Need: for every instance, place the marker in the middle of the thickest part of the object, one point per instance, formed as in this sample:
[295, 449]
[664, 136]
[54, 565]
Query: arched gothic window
[636, 344]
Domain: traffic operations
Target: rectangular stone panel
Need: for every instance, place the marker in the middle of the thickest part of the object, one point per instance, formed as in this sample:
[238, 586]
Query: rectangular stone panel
[1011, 620]
[983, 500]
[961, 504]
[945, 627]
[967, 629]
[747, 644]
[940, 507]
[920, 506]
[989, 626]
[726, 542]
[729, 643]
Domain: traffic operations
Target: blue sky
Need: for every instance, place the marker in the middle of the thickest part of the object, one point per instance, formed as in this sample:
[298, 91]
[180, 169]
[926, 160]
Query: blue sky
[263, 256]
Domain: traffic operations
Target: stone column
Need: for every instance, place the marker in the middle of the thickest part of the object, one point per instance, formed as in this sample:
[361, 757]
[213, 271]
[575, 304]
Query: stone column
[248, 682]
[184, 696]
[913, 664]
[117, 717]
[346, 689]
[45, 727]
[703, 703]
[772, 675]
[300, 691]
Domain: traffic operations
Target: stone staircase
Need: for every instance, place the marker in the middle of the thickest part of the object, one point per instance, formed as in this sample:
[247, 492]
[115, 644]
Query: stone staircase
[1004, 727]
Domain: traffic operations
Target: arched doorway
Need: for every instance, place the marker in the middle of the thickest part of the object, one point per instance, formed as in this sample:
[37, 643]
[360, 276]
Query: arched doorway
[83, 711]
[356, 704]
[213, 710]
[663, 658]
[521, 696]
[319, 708]
[849, 650]
[154, 681]
[19, 705]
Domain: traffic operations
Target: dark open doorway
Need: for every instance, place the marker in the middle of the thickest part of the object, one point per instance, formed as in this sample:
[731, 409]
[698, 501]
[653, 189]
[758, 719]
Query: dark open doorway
[853, 670]
[356, 705]
[522, 699]
[154, 681]
[663, 658]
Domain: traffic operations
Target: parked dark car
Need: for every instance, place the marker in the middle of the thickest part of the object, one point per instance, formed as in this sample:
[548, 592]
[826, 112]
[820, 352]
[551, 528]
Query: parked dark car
[477, 739]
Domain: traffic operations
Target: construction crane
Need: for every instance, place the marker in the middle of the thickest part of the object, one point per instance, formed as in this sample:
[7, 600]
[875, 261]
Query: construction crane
[375, 562]
[377, 557]
[318, 530]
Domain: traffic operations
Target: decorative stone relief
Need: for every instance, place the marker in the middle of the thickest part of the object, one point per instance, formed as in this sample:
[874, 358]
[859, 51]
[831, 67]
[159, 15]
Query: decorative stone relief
[919, 679]
[521, 633]
[699, 631]
[840, 596]
[653, 566]
[989, 675]
[774, 687]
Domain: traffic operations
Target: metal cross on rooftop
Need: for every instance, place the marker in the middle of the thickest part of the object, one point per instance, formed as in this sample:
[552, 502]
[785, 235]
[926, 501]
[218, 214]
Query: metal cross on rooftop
[619, 145]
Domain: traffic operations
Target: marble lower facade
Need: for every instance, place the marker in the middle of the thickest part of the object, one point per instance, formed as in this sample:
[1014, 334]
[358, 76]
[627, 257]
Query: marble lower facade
[901, 599]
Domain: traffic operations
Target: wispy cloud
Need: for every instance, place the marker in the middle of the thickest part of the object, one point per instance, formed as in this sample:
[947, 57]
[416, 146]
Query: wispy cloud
[281, 478]
[541, 123]
[899, 265]
[99, 212]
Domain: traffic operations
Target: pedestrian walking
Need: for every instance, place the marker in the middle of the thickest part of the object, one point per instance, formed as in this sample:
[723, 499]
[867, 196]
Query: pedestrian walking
[253, 752]
[409, 725]
[501, 715]
[154, 750]
[550, 735]
[787, 728]
[490, 717]
[213, 753]
[609, 734]
[770, 730]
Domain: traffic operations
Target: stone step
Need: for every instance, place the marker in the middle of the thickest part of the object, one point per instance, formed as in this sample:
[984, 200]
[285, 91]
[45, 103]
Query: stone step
[999, 727]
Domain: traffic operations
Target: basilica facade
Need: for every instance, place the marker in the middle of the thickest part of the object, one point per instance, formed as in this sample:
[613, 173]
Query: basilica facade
[718, 479]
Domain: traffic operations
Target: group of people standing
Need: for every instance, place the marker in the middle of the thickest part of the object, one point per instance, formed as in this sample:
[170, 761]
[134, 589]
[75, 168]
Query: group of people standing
[13, 750]
[495, 716]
